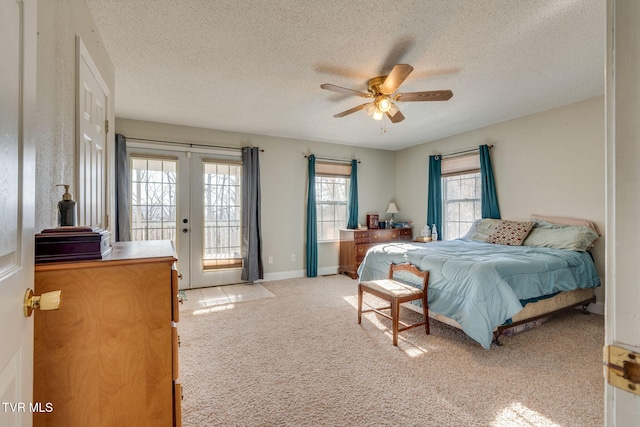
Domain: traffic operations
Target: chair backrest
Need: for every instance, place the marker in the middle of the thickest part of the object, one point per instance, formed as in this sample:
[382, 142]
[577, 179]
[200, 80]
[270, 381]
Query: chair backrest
[411, 269]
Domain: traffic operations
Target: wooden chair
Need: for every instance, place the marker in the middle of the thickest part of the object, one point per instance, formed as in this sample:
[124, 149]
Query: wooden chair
[396, 293]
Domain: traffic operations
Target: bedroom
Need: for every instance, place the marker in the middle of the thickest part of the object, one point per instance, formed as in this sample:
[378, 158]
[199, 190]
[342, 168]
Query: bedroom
[565, 141]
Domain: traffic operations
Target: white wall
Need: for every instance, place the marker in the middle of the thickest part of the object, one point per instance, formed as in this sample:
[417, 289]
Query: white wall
[283, 171]
[549, 163]
[59, 22]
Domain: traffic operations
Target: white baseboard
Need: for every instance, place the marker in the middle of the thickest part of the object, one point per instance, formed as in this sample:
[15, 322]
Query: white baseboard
[596, 308]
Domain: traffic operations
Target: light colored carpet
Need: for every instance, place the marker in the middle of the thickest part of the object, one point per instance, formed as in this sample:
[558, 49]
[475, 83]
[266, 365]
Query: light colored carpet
[301, 359]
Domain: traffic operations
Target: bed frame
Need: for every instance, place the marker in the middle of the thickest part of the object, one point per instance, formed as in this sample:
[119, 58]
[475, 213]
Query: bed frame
[498, 333]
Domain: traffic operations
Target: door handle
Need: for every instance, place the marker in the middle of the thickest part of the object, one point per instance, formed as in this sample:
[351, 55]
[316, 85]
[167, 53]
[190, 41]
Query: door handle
[185, 230]
[47, 301]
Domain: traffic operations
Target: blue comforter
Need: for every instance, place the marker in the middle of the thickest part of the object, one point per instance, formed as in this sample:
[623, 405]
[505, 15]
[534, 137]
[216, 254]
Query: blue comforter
[479, 284]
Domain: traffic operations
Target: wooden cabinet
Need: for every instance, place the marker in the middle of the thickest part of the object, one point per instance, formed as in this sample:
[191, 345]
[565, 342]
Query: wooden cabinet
[108, 356]
[354, 245]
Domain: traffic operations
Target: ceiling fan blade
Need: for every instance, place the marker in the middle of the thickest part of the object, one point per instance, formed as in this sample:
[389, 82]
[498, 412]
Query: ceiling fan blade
[352, 110]
[433, 95]
[344, 90]
[395, 78]
[397, 117]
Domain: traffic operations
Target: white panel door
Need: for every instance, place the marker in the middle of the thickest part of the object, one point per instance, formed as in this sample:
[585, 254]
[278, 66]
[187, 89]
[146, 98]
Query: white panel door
[623, 198]
[17, 184]
[92, 113]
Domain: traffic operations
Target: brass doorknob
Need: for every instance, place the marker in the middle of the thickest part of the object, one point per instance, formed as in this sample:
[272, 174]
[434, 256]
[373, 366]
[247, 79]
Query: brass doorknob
[47, 301]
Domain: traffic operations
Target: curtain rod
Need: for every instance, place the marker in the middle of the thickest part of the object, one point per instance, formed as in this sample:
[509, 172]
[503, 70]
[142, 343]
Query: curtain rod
[330, 159]
[188, 144]
[455, 153]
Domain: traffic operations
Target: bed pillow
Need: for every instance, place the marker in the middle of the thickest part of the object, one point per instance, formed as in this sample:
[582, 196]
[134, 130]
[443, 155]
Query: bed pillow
[565, 221]
[560, 236]
[481, 229]
[511, 233]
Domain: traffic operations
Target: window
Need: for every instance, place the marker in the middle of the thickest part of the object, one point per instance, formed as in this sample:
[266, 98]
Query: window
[461, 195]
[332, 194]
[153, 198]
[222, 215]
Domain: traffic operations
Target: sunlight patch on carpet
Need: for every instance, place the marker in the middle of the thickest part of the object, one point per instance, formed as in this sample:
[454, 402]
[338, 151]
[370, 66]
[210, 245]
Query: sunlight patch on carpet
[352, 301]
[518, 415]
[216, 308]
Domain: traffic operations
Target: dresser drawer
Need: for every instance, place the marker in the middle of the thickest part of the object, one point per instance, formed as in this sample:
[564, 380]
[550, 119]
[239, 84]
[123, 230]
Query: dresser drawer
[382, 236]
[361, 234]
[361, 240]
[405, 232]
[177, 404]
[175, 343]
[361, 251]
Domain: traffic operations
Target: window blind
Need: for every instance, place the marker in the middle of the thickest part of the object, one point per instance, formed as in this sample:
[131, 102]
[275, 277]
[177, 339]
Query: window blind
[460, 164]
[334, 169]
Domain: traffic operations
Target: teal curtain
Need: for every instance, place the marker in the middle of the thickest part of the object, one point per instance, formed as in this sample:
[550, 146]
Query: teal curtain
[312, 231]
[490, 208]
[434, 196]
[352, 223]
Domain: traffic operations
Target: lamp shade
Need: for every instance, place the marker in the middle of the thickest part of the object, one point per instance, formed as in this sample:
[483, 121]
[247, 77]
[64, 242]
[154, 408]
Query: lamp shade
[392, 209]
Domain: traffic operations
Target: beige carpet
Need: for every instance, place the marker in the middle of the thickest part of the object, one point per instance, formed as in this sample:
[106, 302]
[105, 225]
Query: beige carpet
[301, 359]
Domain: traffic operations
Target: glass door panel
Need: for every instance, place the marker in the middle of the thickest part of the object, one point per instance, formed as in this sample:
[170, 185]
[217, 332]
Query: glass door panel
[222, 215]
[154, 199]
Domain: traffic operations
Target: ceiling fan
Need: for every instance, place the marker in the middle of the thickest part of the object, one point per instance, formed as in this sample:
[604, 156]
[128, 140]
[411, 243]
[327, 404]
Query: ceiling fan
[381, 90]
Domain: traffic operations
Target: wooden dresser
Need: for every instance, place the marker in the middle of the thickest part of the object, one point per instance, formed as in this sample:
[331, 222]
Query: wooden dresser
[109, 355]
[354, 244]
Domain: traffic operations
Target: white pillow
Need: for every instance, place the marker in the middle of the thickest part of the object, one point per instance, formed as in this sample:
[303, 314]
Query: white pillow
[481, 229]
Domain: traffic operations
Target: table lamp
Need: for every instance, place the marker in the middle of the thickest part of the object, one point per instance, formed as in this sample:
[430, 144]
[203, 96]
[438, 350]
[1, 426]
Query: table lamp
[392, 209]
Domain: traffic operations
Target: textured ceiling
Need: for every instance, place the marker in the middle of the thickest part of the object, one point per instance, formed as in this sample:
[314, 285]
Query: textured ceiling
[256, 66]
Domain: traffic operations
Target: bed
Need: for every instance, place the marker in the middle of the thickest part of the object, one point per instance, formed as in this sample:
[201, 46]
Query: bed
[486, 289]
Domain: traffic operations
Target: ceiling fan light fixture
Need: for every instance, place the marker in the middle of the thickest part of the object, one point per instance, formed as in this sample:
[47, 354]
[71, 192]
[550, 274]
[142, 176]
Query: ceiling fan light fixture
[377, 115]
[383, 104]
[370, 108]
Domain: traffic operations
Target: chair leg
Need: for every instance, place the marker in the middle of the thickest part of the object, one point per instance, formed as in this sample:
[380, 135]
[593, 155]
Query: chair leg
[359, 304]
[425, 308]
[395, 313]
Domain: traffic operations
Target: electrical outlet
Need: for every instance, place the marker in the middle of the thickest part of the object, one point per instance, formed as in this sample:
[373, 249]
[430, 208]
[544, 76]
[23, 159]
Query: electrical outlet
[293, 258]
[270, 260]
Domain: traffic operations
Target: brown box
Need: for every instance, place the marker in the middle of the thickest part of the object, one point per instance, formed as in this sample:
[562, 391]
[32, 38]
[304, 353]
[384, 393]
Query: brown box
[372, 221]
[72, 244]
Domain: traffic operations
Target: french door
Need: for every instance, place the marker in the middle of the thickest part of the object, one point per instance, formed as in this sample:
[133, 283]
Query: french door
[193, 199]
